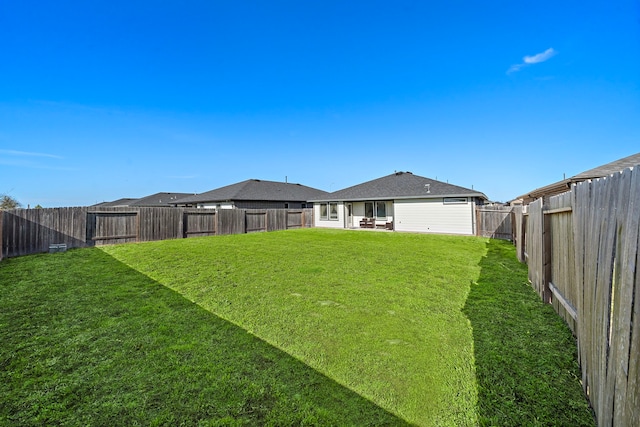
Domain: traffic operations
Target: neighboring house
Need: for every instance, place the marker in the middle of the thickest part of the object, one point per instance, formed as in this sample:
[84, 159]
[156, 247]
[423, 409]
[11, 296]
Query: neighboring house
[255, 194]
[403, 202]
[159, 200]
[154, 200]
[565, 185]
[116, 203]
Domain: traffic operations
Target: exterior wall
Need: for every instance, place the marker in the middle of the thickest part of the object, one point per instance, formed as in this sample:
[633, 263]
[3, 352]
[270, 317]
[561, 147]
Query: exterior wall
[358, 212]
[250, 204]
[328, 223]
[434, 216]
[227, 205]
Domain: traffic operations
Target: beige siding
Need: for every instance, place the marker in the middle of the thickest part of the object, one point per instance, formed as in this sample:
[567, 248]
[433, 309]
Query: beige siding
[434, 216]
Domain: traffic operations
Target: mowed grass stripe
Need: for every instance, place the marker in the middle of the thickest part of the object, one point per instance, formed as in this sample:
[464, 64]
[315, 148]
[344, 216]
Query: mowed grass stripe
[88, 341]
[380, 313]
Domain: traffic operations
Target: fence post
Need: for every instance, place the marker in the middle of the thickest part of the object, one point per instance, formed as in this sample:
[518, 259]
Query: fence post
[1, 240]
[546, 255]
[519, 231]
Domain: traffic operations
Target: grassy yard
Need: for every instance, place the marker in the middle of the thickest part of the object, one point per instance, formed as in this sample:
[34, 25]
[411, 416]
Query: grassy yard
[303, 327]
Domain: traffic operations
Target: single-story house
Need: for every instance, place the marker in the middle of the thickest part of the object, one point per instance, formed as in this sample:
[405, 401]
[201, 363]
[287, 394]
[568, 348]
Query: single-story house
[159, 200]
[155, 200]
[402, 202]
[565, 185]
[124, 202]
[255, 194]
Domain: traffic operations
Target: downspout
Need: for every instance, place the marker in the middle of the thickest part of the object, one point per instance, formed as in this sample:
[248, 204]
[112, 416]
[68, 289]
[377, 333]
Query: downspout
[473, 216]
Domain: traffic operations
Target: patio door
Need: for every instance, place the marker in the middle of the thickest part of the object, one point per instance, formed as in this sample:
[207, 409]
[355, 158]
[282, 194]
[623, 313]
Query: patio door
[348, 215]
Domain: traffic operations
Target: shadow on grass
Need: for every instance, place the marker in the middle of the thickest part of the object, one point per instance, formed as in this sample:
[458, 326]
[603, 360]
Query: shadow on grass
[87, 340]
[525, 356]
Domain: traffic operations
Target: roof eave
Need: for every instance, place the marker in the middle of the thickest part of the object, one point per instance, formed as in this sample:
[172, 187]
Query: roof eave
[422, 196]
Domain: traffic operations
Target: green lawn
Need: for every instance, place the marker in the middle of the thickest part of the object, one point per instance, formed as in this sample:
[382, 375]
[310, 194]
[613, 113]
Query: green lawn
[302, 327]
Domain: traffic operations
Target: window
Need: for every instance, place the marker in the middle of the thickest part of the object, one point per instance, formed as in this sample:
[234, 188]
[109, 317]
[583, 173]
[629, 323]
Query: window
[368, 209]
[333, 211]
[381, 210]
[452, 200]
[323, 212]
[286, 205]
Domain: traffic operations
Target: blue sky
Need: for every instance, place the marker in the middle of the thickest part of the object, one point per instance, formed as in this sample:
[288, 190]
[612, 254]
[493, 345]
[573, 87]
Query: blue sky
[107, 99]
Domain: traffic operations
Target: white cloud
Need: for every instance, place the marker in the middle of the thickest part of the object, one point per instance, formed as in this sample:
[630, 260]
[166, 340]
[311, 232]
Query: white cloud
[514, 68]
[533, 59]
[540, 57]
[29, 154]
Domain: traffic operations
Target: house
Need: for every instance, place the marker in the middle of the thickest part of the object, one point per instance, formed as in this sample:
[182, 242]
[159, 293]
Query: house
[255, 194]
[154, 200]
[159, 200]
[403, 202]
[565, 185]
[124, 202]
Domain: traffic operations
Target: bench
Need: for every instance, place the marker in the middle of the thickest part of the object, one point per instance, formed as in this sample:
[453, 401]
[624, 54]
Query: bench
[367, 223]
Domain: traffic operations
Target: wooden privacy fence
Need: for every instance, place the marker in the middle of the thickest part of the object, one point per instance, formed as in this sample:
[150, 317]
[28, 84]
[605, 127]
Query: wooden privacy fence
[28, 231]
[582, 254]
[495, 222]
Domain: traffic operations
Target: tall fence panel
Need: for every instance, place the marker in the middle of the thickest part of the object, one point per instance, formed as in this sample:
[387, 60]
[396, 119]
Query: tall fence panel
[28, 231]
[582, 251]
[534, 247]
[562, 280]
[606, 234]
[494, 222]
[111, 227]
[199, 222]
[256, 220]
[161, 224]
[278, 219]
[519, 220]
[295, 219]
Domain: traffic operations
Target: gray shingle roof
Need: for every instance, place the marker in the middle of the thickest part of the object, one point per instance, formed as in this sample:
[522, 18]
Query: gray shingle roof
[257, 190]
[565, 185]
[609, 168]
[159, 199]
[116, 203]
[400, 185]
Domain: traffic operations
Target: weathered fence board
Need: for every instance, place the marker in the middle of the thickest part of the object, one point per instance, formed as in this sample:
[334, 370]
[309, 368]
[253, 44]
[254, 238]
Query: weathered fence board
[295, 219]
[200, 222]
[564, 289]
[534, 246]
[494, 222]
[107, 228]
[231, 221]
[593, 234]
[27, 231]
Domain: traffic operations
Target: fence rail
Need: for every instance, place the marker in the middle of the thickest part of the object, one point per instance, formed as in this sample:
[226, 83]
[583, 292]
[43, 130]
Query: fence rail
[582, 253]
[28, 231]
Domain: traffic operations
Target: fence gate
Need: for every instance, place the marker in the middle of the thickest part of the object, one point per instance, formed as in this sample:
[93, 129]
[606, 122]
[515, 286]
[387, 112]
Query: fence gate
[200, 223]
[106, 228]
[494, 222]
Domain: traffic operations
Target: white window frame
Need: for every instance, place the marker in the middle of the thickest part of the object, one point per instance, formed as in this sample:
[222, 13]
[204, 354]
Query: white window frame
[455, 200]
[333, 211]
[324, 211]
